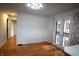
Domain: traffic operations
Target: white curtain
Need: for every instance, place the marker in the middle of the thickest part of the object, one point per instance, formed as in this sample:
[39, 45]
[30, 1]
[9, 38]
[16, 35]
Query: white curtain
[74, 30]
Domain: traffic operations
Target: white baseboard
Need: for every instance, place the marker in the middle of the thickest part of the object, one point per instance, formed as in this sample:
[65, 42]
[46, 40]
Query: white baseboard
[11, 36]
[3, 43]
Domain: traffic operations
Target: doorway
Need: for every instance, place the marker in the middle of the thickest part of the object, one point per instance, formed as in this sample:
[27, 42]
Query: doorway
[11, 33]
[11, 28]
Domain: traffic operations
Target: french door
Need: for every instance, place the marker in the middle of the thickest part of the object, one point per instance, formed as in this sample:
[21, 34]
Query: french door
[62, 32]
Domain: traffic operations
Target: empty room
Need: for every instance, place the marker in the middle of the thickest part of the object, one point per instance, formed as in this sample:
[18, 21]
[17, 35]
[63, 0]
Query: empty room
[39, 29]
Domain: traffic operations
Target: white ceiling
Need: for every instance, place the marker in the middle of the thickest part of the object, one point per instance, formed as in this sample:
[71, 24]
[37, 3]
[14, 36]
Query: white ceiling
[49, 9]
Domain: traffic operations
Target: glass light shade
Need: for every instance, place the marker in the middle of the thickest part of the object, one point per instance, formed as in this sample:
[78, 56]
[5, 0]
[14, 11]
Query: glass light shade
[35, 5]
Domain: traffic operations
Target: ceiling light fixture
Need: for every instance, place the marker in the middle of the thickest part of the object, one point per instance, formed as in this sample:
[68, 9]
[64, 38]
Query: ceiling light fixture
[12, 14]
[35, 5]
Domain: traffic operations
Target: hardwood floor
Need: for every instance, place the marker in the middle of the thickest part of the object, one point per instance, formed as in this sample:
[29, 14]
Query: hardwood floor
[33, 49]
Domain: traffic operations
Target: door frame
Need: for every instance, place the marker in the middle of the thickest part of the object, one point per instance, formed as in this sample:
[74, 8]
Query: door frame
[7, 28]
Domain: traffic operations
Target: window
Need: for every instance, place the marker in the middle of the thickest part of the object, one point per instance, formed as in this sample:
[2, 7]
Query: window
[58, 26]
[58, 30]
[66, 32]
[66, 26]
[62, 32]
[58, 38]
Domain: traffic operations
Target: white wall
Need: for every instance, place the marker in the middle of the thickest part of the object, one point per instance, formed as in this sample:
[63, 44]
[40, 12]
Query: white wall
[9, 28]
[3, 28]
[32, 28]
[15, 27]
[51, 29]
[12, 28]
